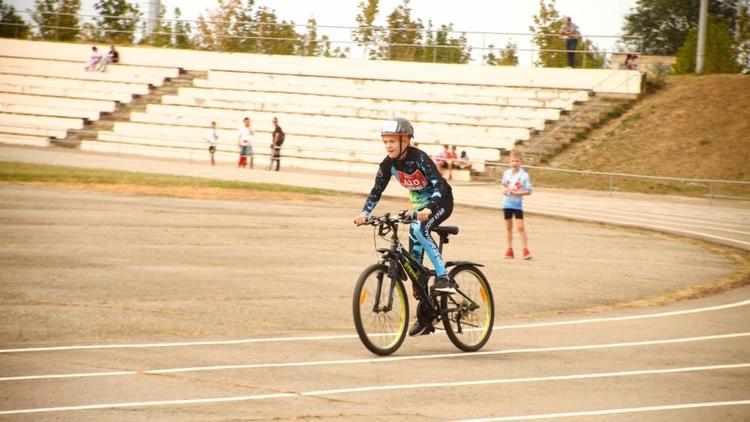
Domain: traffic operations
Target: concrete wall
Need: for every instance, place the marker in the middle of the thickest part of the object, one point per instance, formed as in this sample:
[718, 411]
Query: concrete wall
[598, 80]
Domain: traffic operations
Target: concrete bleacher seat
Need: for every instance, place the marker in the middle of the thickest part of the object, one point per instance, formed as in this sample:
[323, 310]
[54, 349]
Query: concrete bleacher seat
[335, 126]
[53, 101]
[369, 87]
[30, 140]
[75, 70]
[22, 124]
[523, 101]
[98, 88]
[228, 156]
[490, 115]
[381, 109]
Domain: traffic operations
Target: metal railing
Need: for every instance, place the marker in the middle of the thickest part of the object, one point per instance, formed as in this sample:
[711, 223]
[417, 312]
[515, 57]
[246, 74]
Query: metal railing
[478, 43]
[708, 184]
[197, 148]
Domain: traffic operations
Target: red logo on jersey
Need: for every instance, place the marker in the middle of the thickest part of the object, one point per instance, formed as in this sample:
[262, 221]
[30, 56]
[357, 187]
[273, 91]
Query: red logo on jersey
[414, 181]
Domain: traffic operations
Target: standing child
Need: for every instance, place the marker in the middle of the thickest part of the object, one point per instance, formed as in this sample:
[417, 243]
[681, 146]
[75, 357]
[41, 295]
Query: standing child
[515, 184]
[245, 141]
[213, 139]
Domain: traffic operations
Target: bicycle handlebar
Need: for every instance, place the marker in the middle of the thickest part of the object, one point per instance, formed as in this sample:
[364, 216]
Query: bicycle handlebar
[403, 217]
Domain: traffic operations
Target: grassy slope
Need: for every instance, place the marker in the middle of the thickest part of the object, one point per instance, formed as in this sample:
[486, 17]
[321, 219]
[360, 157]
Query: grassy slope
[696, 127]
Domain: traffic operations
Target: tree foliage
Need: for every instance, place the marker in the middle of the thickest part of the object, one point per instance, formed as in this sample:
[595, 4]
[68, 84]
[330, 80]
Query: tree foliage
[507, 55]
[117, 21]
[664, 24]
[403, 35]
[181, 31]
[11, 25]
[551, 45]
[743, 35]
[365, 35]
[546, 26]
[57, 19]
[161, 36]
[440, 47]
[720, 55]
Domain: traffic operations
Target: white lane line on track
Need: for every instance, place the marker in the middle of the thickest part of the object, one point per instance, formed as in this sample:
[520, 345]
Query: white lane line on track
[393, 387]
[681, 219]
[352, 336]
[381, 359]
[649, 225]
[611, 411]
[642, 217]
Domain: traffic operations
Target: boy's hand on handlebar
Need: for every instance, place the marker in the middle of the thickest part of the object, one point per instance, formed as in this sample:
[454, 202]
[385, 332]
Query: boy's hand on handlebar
[424, 214]
[360, 220]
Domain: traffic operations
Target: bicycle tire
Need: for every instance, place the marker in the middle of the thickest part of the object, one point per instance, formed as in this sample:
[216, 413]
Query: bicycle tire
[382, 333]
[468, 329]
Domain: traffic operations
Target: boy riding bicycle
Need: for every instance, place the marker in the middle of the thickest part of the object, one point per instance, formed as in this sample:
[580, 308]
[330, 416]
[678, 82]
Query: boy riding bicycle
[430, 194]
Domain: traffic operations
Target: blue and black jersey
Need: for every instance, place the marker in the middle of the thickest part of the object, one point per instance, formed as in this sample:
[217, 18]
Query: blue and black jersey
[416, 172]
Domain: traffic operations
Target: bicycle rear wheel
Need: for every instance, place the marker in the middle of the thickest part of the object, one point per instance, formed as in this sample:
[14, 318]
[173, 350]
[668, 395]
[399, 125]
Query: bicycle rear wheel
[468, 315]
[381, 310]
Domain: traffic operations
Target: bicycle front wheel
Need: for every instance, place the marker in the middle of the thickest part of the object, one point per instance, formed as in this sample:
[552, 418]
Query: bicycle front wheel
[469, 313]
[381, 310]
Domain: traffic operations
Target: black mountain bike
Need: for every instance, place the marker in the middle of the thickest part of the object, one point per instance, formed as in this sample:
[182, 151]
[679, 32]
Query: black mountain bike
[381, 306]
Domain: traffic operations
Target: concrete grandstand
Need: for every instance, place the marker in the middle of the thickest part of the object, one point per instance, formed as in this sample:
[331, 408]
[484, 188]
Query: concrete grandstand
[330, 108]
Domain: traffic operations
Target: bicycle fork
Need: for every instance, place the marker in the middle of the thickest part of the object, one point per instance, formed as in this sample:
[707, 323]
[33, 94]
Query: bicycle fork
[379, 290]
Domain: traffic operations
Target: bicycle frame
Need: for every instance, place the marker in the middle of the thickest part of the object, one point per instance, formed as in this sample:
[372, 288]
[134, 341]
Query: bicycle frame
[402, 265]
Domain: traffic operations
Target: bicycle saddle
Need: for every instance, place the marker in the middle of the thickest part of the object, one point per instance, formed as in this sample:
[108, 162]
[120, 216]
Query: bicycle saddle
[445, 230]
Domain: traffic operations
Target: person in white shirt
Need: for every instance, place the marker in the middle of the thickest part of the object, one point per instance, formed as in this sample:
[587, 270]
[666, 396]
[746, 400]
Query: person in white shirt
[213, 139]
[244, 140]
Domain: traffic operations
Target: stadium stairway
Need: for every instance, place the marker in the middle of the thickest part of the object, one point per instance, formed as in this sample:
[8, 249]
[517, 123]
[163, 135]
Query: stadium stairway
[123, 111]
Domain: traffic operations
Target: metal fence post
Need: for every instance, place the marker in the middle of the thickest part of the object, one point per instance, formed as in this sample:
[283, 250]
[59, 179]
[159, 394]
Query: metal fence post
[710, 193]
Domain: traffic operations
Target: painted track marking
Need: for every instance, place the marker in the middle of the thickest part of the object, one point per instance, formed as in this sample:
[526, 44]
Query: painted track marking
[393, 387]
[352, 336]
[380, 359]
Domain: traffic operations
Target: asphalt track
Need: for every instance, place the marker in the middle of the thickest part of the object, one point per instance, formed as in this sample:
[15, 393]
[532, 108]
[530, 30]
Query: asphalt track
[684, 361]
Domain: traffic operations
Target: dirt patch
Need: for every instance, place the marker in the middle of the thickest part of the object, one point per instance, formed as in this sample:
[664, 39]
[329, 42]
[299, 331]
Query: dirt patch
[696, 127]
[178, 191]
[91, 266]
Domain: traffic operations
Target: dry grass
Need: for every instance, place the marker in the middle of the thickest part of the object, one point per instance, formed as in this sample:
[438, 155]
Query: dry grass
[696, 127]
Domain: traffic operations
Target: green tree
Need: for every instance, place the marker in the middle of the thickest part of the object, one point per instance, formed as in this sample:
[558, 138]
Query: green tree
[720, 54]
[275, 37]
[311, 46]
[403, 36]
[117, 21]
[57, 19]
[181, 31]
[11, 25]
[244, 29]
[162, 33]
[324, 49]
[664, 24]
[589, 56]
[446, 49]
[507, 55]
[742, 36]
[215, 31]
[546, 28]
[366, 35]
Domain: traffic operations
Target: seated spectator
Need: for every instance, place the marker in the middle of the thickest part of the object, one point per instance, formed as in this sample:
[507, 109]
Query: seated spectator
[112, 57]
[94, 59]
[464, 162]
[451, 159]
[440, 159]
[631, 62]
